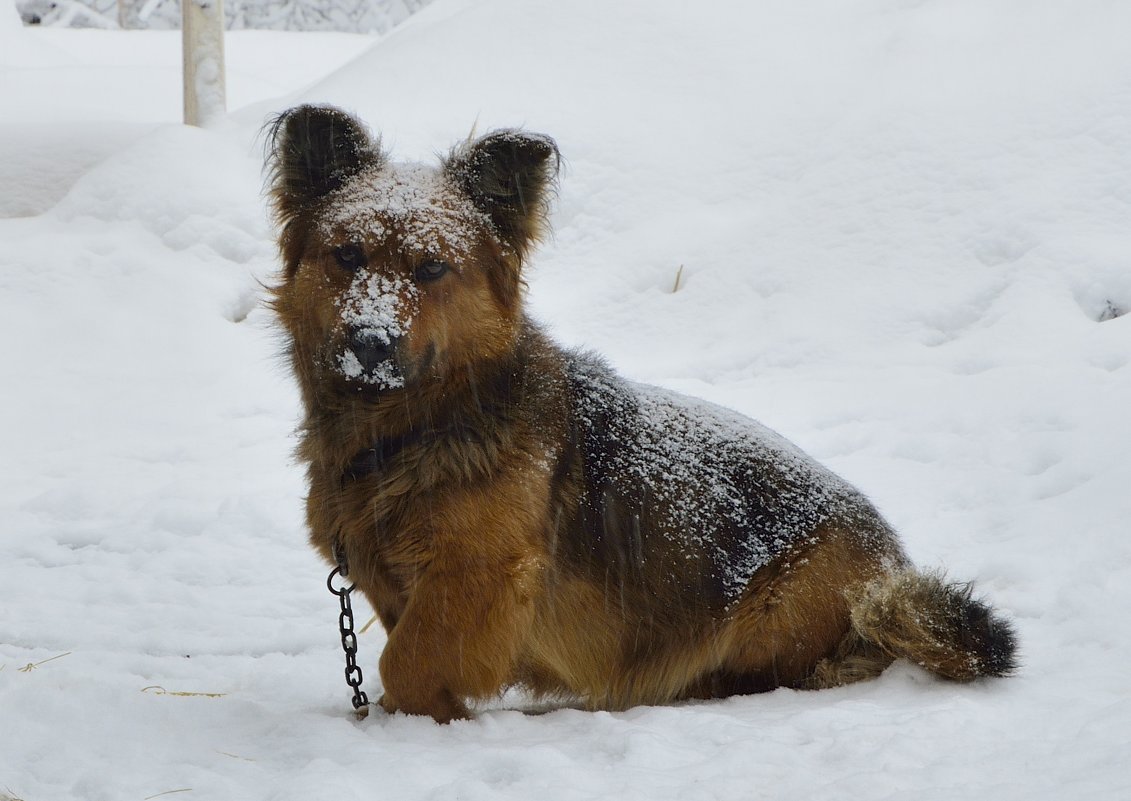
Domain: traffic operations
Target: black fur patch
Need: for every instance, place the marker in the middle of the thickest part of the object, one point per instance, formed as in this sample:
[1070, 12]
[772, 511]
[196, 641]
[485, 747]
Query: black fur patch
[991, 639]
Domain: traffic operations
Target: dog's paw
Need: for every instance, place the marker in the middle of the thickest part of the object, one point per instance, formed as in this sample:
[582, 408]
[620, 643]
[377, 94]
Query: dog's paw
[442, 708]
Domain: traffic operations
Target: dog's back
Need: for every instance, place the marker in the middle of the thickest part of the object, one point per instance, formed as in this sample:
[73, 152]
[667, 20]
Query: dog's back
[685, 497]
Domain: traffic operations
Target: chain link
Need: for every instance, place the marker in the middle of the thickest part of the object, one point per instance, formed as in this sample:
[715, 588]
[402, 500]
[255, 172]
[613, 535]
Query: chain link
[345, 626]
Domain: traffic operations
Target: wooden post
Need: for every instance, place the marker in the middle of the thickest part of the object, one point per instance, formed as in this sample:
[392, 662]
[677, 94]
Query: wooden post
[202, 37]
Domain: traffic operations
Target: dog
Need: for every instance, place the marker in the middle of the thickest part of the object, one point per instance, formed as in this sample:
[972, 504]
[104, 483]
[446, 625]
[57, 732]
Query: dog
[521, 516]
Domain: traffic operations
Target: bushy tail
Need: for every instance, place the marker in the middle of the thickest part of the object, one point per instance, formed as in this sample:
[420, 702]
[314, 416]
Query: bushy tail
[940, 626]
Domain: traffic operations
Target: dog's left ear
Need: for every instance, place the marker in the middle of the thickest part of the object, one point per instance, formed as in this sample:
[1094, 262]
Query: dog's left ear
[510, 175]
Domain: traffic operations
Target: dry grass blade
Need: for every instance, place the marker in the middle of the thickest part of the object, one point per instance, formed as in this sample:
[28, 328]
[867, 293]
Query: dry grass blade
[365, 628]
[30, 666]
[235, 756]
[156, 689]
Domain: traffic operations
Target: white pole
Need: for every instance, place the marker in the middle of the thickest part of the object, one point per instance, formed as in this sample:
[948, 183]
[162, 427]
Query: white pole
[202, 29]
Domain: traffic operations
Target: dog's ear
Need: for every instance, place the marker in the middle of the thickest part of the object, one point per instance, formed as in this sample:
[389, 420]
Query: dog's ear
[510, 175]
[311, 151]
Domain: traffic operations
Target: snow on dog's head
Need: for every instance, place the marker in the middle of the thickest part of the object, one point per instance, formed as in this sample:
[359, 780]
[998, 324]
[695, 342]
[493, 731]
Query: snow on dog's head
[395, 275]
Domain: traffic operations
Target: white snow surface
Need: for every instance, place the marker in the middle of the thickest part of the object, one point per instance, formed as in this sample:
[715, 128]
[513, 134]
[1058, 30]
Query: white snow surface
[904, 228]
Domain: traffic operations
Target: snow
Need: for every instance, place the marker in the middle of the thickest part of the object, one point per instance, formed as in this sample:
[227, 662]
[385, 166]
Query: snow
[903, 233]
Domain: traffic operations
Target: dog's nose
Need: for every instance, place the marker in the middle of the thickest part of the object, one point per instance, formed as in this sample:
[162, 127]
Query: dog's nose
[372, 348]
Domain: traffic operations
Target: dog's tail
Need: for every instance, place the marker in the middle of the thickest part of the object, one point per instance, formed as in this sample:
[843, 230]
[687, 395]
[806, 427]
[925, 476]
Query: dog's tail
[938, 625]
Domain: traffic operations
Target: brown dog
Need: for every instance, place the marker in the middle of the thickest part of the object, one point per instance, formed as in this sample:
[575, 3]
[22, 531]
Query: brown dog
[517, 513]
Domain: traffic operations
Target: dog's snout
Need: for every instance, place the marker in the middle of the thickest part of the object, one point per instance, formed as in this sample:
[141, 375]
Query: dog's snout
[372, 348]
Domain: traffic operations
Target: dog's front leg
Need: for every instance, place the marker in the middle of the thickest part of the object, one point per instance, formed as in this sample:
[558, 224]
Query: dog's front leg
[460, 633]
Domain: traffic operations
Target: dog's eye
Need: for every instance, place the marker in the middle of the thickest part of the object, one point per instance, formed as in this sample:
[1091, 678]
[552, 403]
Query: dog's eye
[350, 257]
[431, 270]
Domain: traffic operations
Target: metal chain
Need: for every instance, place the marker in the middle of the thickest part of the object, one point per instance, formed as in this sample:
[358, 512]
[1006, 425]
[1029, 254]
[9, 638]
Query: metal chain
[345, 626]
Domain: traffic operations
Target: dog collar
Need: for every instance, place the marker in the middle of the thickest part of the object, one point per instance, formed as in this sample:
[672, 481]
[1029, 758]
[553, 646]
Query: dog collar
[371, 459]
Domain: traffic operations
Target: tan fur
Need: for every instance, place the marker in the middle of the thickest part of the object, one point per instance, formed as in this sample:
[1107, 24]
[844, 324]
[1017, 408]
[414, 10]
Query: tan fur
[797, 614]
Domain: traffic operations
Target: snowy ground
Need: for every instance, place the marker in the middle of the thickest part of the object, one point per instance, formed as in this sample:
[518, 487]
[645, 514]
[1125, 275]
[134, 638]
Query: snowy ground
[904, 228]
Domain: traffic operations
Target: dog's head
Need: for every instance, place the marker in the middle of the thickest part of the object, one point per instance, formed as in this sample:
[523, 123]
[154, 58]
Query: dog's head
[394, 274]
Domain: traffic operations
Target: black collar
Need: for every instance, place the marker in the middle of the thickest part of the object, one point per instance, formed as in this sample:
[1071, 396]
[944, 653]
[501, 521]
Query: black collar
[376, 456]
[491, 399]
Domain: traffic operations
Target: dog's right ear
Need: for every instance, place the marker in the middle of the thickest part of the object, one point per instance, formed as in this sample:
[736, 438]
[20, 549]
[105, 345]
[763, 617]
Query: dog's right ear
[311, 151]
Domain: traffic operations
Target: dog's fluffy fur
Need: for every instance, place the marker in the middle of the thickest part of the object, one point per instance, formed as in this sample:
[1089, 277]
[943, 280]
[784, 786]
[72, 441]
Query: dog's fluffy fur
[520, 515]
